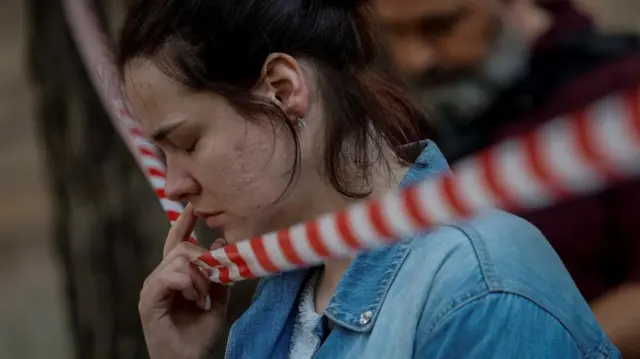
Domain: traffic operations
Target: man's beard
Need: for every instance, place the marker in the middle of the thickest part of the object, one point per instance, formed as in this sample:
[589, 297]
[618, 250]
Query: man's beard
[459, 96]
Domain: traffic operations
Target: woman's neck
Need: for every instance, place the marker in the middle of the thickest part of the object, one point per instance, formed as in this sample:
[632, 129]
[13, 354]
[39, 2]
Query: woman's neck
[334, 270]
[328, 282]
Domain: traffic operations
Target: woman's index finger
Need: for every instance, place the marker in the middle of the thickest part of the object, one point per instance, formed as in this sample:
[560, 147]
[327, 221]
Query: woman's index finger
[181, 229]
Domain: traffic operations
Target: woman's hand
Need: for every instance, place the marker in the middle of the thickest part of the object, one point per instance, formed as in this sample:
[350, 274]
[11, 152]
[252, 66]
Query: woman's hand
[182, 312]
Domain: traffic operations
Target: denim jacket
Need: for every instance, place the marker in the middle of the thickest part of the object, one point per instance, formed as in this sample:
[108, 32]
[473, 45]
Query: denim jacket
[489, 287]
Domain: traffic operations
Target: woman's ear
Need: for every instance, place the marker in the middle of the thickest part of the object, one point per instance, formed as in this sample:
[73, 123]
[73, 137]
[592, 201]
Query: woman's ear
[283, 82]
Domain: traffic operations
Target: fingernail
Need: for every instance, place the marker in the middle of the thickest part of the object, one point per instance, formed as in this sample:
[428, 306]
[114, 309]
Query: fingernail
[192, 240]
[207, 303]
[218, 243]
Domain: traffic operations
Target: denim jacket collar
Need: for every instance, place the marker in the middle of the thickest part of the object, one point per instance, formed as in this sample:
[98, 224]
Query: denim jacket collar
[357, 310]
[350, 309]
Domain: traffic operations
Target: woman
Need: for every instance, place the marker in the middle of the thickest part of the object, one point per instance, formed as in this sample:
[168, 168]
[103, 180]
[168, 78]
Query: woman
[271, 112]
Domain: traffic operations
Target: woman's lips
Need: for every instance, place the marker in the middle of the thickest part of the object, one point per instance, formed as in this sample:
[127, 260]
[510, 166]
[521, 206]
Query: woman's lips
[214, 220]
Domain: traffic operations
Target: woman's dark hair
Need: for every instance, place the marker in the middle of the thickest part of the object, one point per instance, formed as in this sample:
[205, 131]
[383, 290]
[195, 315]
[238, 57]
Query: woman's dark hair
[221, 46]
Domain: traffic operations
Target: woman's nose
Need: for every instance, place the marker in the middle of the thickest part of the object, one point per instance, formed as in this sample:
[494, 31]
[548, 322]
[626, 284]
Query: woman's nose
[180, 185]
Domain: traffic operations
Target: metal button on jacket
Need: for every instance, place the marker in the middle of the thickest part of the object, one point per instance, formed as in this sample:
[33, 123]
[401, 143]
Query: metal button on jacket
[365, 317]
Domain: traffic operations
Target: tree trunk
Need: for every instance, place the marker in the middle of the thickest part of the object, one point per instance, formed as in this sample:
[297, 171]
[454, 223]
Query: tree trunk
[109, 228]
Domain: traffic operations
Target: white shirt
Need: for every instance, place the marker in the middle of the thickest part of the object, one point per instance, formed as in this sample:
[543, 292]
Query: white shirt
[304, 342]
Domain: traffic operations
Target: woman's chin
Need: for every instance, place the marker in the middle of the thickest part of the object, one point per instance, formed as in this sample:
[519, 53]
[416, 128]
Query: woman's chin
[235, 236]
[242, 232]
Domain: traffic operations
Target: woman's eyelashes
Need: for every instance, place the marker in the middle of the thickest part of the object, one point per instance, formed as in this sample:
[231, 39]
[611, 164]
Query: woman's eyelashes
[182, 143]
[162, 154]
[192, 148]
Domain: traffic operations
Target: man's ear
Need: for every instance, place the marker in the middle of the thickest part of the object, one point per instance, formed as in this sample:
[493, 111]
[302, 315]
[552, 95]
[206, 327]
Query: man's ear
[283, 82]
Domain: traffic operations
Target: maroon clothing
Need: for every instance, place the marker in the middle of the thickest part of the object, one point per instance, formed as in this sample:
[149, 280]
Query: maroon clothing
[597, 237]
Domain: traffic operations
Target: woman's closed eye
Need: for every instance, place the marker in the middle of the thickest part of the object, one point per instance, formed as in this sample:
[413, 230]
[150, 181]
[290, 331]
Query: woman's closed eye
[192, 148]
[184, 142]
[183, 146]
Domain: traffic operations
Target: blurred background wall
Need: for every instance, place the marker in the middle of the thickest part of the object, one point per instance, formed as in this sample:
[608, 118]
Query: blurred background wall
[32, 321]
[33, 318]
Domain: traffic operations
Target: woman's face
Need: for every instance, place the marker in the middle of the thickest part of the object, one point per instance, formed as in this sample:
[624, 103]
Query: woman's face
[230, 168]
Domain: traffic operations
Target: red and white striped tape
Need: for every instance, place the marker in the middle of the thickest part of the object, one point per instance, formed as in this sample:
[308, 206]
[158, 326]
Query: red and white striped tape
[567, 157]
[92, 46]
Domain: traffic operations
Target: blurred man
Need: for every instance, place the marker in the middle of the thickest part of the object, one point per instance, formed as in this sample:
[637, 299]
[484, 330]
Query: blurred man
[487, 69]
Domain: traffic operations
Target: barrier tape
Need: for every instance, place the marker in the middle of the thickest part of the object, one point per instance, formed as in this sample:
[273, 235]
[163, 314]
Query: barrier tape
[567, 157]
[570, 156]
[91, 43]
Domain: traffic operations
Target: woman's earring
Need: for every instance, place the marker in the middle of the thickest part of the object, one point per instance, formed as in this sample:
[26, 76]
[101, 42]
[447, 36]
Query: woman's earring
[301, 123]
